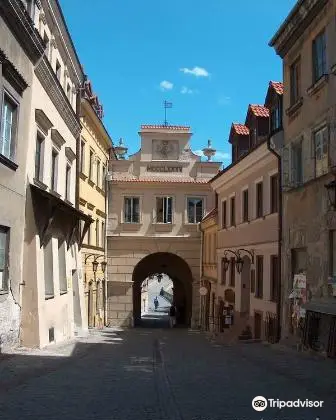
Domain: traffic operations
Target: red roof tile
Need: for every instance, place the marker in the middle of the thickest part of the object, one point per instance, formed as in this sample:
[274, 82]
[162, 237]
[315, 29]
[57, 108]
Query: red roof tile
[161, 179]
[259, 110]
[241, 129]
[278, 87]
[166, 127]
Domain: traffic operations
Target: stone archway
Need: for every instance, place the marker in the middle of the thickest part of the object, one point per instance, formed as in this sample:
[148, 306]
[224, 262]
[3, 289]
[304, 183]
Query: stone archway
[177, 269]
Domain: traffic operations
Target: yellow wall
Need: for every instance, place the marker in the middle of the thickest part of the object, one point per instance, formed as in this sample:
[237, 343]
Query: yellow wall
[209, 255]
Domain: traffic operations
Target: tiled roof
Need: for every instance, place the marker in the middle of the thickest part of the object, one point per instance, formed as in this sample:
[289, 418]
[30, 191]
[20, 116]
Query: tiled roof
[241, 129]
[259, 110]
[162, 179]
[278, 87]
[211, 213]
[166, 127]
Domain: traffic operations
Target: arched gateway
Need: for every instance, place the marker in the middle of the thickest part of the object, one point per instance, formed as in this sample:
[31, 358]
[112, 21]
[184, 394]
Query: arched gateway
[178, 270]
[156, 198]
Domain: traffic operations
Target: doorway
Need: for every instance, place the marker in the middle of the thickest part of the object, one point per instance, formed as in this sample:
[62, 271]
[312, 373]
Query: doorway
[257, 325]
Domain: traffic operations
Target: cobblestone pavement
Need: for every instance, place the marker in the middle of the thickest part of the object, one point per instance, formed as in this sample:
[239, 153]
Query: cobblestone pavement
[156, 374]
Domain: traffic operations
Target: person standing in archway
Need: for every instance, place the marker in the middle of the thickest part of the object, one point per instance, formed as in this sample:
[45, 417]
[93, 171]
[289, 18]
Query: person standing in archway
[156, 303]
[172, 316]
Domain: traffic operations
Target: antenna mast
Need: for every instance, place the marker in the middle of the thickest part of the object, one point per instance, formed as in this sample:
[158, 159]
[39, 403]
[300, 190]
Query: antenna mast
[166, 105]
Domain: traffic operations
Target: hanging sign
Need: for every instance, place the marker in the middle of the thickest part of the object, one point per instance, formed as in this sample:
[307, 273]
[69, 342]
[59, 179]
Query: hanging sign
[300, 281]
[203, 291]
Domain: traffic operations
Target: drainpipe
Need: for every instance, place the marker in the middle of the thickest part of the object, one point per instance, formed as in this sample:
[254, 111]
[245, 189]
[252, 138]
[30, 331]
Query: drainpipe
[78, 111]
[278, 303]
[105, 239]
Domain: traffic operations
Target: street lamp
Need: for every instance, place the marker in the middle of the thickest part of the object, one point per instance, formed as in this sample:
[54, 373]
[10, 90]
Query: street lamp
[95, 266]
[103, 265]
[239, 264]
[331, 190]
[226, 263]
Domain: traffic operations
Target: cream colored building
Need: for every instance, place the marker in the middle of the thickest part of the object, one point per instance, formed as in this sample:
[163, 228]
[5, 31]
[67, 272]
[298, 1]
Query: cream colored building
[248, 221]
[157, 197]
[209, 228]
[95, 151]
[53, 306]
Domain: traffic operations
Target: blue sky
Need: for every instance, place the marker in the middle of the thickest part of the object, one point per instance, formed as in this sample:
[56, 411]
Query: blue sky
[212, 57]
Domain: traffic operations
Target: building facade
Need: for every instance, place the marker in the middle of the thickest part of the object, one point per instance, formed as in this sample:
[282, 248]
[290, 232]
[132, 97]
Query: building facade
[209, 228]
[248, 224]
[159, 195]
[53, 306]
[20, 50]
[305, 42]
[95, 151]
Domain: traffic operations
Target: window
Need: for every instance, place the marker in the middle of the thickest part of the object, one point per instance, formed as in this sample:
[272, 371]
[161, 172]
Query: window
[276, 115]
[58, 70]
[223, 273]
[47, 44]
[232, 272]
[103, 234]
[260, 277]
[299, 261]
[67, 182]
[82, 156]
[103, 178]
[259, 200]
[274, 278]
[232, 211]
[48, 270]
[195, 210]
[245, 206]
[321, 151]
[97, 233]
[4, 258]
[54, 164]
[319, 57]
[224, 216]
[332, 253]
[295, 81]
[91, 166]
[98, 173]
[62, 266]
[132, 210]
[68, 92]
[38, 157]
[253, 285]
[164, 207]
[8, 127]
[297, 166]
[274, 184]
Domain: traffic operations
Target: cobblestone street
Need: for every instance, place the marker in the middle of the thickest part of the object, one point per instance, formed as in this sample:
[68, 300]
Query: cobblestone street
[161, 374]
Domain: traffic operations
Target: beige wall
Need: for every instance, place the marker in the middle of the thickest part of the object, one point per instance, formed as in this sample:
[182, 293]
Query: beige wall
[259, 235]
[13, 189]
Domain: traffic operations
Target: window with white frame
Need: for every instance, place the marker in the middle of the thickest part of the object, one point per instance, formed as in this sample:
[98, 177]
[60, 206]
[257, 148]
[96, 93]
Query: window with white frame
[68, 181]
[4, 257]
[97, 233]
[131, 210]
[39, 156]
[103, 177]
[91, 165]
[319, 56]
[62, 266]
[164, 208]
[195, 209]
[321, 151]
[48, 269]
[98, 173]
[8, 127]
[54, 169]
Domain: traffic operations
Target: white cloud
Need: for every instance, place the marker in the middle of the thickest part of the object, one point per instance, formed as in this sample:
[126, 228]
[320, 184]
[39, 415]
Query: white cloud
[219, 156]
[165, 85]
[186, 91]
[196, 71]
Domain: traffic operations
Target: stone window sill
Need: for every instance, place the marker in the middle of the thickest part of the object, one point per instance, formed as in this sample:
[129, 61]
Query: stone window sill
[49, 297]
[91, 183]
[68, 202]
[83, 176]
[4, 292]
[8, 162]
[64, 292]
[294, 108]
[40, 184]
[55, 193]
[318, 85]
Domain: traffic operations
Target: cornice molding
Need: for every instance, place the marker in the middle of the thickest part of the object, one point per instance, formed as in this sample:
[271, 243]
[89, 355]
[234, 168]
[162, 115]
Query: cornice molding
[100, 213]
[43, 121]
[57, 138]
[22, 26]
[12, 75]
[70, 154]
[296, 23]
[52, 86]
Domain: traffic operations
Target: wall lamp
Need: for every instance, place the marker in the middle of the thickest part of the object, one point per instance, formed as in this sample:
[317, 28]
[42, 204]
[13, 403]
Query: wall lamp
[95, 262]
[238, 258]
